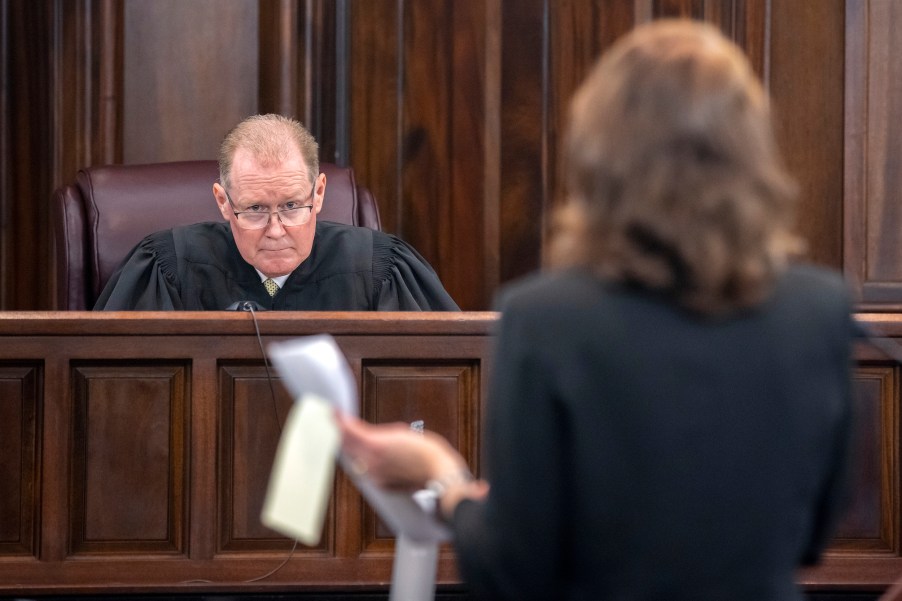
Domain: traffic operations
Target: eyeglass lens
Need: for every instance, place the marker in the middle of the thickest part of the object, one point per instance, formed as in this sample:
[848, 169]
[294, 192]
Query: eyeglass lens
[290, 217]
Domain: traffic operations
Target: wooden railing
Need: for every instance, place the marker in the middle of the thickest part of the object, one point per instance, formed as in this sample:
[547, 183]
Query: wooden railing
[135, 450]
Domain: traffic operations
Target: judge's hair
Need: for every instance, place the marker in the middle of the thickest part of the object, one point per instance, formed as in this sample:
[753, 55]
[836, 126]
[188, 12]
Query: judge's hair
[674, 177]
[270, 139]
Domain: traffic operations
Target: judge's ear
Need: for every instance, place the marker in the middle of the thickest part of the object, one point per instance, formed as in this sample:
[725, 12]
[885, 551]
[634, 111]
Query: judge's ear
[222, 201]
[320, 191]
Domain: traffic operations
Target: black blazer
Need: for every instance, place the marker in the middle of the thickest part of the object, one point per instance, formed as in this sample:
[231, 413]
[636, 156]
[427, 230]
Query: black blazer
[637, 451]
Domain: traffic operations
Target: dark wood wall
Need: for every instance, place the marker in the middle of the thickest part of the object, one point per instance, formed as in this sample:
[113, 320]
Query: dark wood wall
[451, 111]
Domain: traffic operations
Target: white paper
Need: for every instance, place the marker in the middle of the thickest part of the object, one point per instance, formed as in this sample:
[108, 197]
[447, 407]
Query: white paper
[303, 471]
[413, 573]
[315, 365]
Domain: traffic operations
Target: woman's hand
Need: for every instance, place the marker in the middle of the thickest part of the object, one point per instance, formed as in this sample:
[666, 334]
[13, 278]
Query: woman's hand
[396, 457]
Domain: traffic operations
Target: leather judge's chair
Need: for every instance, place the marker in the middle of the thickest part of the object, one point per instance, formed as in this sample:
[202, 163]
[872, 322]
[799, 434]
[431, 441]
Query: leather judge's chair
[108, 210]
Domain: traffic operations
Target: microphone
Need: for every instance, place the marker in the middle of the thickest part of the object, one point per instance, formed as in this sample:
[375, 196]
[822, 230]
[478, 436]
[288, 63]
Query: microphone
[245, 305]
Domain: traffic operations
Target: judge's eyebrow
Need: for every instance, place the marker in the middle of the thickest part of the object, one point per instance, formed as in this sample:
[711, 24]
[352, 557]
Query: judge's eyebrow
[299, 198]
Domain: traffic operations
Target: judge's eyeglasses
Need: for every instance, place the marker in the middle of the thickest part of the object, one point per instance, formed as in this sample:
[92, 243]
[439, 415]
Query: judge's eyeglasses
[257, 217]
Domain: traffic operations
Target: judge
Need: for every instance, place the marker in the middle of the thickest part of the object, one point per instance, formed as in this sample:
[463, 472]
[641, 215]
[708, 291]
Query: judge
[271, 249]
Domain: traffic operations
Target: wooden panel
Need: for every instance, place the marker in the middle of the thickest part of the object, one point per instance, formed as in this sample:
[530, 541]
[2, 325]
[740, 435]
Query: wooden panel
[408, 366]
[426, 121]
[375, 108]
[873, 147]
[280, 55]
[808, 116]
[467, 257]
[579, 32]
[694, 9]
[871, 521]
[322, 71]
[743, 21]
[28, 30]
[525, 178]
[88, 86]
[883, 146]
[19, 427]
[425, 82]
[129, 459]
[183, 398]
[444, 396]
[746, 23]
[443, 141]
[251, 423]
[185, 86]
[59, 112]
[865, 554]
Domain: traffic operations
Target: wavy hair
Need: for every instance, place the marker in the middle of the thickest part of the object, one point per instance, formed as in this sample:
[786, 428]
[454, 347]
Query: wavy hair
[673, 173]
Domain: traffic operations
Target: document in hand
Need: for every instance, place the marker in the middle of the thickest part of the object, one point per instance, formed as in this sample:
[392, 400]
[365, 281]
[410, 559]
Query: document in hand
[316, 373]
[303, 470]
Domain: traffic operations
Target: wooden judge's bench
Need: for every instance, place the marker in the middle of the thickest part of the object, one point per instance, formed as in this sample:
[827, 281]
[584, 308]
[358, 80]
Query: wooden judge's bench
[135, 451]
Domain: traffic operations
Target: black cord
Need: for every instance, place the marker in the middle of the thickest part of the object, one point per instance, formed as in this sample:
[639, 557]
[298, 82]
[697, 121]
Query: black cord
[272, 390]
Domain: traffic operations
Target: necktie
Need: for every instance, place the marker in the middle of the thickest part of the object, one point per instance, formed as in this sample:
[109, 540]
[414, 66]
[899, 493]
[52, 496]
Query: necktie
[271, 286]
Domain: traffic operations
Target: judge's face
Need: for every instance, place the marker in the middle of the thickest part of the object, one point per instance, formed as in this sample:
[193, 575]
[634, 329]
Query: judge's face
[276, 249]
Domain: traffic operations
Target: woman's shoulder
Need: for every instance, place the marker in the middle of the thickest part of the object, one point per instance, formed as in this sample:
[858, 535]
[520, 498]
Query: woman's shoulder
[813, 283]
[813, 296]
[811, 275]
[551, 289]
[802, 286]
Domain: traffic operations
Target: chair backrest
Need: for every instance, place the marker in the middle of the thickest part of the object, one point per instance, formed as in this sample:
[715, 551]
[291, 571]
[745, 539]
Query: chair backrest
[98, 219]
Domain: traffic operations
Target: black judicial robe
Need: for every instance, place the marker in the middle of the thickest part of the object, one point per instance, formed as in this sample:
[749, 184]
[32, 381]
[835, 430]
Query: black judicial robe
[198, 267]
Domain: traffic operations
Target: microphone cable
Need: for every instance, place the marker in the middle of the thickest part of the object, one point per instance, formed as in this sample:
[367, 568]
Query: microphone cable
[272, 390]
[249, 307]
[275, 409]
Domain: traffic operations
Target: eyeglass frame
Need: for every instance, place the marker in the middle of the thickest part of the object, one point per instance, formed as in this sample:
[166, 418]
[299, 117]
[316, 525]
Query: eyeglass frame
[277, 212]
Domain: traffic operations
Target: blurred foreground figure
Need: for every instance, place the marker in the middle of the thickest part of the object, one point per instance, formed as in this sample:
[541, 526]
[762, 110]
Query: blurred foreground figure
[669, 413]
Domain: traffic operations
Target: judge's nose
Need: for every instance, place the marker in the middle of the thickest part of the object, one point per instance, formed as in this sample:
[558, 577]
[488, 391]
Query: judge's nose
[275, 228]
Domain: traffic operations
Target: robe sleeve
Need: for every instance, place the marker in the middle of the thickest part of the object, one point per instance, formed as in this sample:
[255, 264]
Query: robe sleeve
[404, 281]
[146, 280]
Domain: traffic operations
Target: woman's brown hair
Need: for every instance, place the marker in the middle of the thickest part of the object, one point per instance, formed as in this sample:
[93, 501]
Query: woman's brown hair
[674, 177]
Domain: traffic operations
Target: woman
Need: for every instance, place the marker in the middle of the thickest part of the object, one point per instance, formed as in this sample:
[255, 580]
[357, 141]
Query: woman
[669, 412]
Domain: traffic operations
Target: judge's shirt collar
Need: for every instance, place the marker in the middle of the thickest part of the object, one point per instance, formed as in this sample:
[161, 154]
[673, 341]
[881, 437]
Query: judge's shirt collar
[280, 280]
